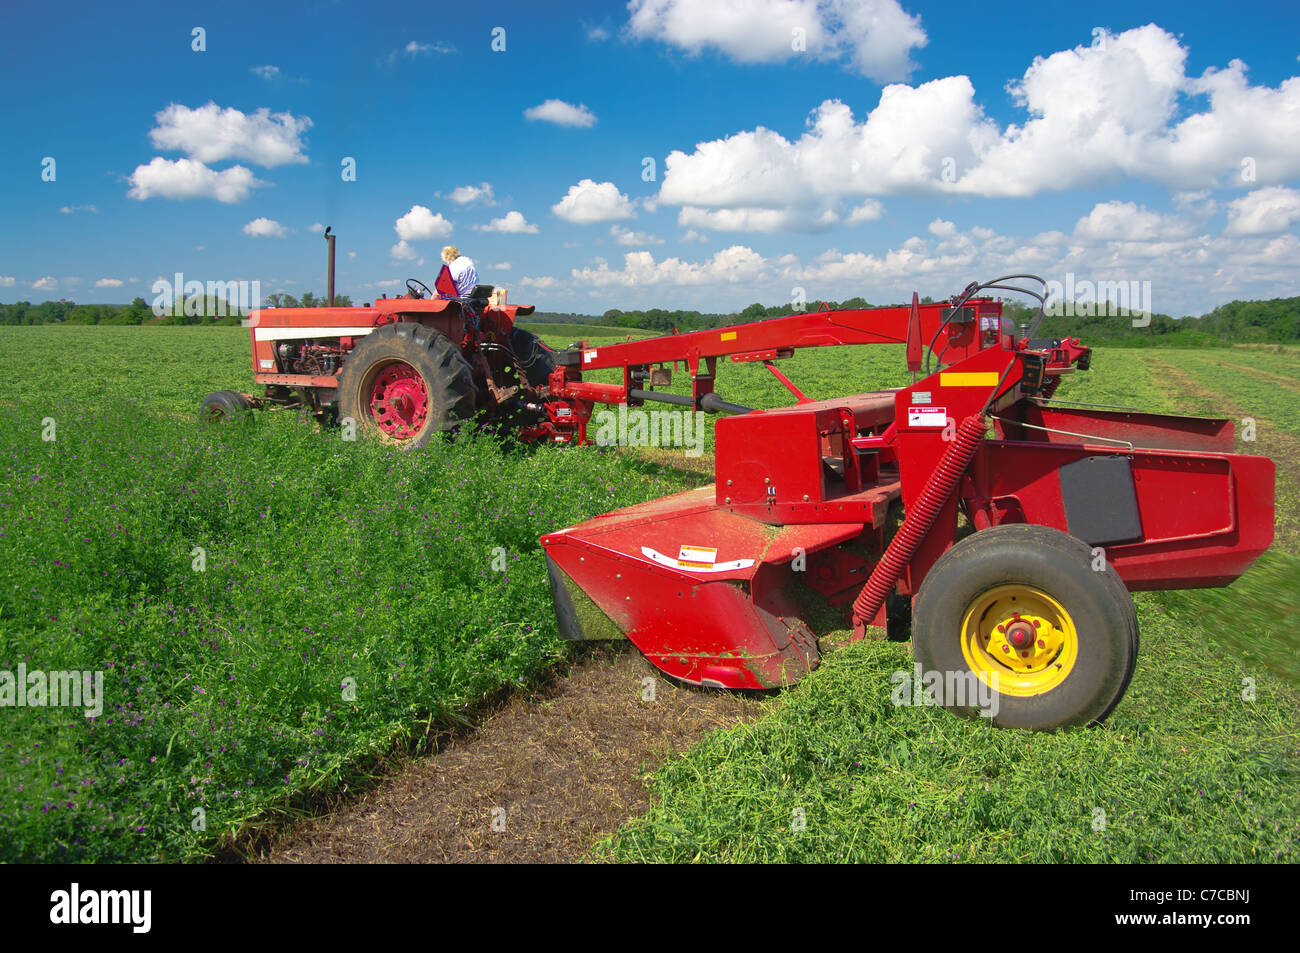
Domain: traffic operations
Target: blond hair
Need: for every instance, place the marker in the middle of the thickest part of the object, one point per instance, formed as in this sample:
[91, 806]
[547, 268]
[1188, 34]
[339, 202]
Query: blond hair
[450, 254]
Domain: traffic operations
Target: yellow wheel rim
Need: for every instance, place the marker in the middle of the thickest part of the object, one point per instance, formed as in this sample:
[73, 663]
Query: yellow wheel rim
[1019, 641]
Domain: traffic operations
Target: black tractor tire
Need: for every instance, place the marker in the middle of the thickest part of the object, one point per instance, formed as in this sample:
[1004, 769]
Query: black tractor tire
[449, 391]
[224, 405]
[1028, 559]
[535, 358]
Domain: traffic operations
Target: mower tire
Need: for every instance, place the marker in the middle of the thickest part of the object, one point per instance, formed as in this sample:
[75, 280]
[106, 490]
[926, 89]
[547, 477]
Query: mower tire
[1027, 626]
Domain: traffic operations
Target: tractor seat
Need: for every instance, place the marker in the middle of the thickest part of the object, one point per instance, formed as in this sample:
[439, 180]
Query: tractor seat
[446, 288]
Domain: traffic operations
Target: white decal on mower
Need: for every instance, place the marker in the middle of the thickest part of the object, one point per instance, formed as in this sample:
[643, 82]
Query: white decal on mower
[927, 416]
[696, 559]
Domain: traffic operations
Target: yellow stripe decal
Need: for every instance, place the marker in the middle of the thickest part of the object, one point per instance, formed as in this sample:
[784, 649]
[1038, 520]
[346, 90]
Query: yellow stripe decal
[728, 335]
[969, 379]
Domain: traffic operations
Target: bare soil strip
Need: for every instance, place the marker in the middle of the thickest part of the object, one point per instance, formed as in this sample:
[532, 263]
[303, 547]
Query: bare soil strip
[540, 780]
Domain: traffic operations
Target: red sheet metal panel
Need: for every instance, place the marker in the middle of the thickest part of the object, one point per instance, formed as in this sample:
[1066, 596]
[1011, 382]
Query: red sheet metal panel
[1205, 517]
[701, 590]
[1153, 431]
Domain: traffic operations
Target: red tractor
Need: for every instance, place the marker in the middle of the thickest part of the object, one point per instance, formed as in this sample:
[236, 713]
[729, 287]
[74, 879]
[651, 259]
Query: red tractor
[403, 369]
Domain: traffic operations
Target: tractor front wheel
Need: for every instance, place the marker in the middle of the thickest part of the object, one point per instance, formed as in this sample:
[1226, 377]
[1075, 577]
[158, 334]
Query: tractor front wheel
[1024, 624]
[224, 405]
[404, 383]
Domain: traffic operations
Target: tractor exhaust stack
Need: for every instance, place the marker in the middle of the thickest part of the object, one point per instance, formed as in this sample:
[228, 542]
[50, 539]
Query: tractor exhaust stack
[329, 281]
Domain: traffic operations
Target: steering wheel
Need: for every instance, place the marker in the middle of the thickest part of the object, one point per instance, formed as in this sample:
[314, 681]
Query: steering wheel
[410, 287]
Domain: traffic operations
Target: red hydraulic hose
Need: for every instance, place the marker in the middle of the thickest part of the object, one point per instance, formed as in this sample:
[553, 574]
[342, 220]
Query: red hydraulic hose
[920, 518]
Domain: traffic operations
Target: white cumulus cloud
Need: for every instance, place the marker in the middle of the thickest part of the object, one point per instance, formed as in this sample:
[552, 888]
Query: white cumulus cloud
[625, 236]
[421, 224]
[1127, 221]
[512, 223]
[1122, 108]
[212, 134]
[190, 179]
[590, 202]
[108, 283]
[265, 228]
[899, 147]
[465, 194]
[1264, 212]
[802, 219]
[875, 36]
[868, 211]
[561, 113]
[730, 265]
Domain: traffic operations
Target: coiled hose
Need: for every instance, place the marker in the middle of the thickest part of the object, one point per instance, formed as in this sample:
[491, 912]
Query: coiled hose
[920, 518]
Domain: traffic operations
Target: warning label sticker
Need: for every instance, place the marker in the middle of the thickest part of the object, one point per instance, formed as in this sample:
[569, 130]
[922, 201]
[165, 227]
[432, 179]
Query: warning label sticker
[927, 416]
[696, 559]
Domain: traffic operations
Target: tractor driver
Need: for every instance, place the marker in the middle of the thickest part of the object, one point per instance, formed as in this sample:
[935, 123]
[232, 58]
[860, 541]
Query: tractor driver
[462, 270]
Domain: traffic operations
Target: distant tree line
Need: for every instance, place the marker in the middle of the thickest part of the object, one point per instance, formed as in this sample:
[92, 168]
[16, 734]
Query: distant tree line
[1272, 321]
[659, 319]
[190, 311]
[69, 312]
[281, 299]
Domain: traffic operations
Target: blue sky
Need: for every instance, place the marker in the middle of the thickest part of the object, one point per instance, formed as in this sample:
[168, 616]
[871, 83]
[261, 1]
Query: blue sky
[1150, 141]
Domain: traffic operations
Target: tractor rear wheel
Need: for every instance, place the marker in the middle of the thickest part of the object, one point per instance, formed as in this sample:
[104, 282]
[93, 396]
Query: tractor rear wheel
[404, 383]
[1015, 623]
[224, 405]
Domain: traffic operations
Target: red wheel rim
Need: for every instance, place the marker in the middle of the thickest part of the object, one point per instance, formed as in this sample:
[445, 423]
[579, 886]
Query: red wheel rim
[399, 401]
